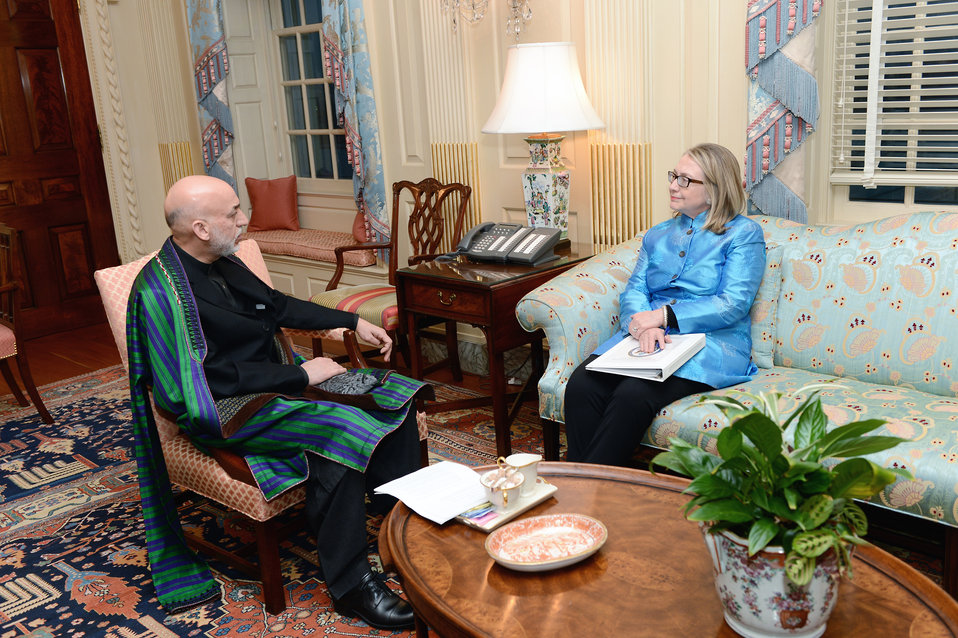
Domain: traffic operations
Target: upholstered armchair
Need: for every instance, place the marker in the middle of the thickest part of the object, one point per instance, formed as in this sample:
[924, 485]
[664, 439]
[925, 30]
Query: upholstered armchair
[577, 311]
[224, 478]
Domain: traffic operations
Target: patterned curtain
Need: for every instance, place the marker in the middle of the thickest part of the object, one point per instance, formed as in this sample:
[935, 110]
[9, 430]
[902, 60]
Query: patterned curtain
[210, 67]
[346, 59]
[782, 103]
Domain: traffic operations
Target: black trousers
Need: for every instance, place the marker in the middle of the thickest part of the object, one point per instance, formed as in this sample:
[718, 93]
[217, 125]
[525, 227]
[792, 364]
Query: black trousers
[336, 509]
[606, 415]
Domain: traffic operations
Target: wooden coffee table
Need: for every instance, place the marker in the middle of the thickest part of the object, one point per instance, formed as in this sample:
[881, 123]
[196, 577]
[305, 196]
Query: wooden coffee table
[653, 577]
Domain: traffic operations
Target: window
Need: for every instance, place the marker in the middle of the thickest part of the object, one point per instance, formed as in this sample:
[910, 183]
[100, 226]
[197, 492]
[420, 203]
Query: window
[317, 148]
[896, 101]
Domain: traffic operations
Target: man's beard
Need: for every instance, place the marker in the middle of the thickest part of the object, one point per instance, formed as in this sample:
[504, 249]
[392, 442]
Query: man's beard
[223, 245]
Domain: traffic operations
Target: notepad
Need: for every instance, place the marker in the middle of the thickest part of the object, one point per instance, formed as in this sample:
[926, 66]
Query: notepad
[627, 358]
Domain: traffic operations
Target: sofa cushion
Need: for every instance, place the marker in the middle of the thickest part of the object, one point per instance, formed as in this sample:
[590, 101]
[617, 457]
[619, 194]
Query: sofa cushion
[307, 243]
[928, 421]
[764, 308]
[273, 204]
[874, 302]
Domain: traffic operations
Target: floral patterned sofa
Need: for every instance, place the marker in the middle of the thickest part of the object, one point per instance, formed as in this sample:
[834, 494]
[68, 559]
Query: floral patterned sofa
[870, 306]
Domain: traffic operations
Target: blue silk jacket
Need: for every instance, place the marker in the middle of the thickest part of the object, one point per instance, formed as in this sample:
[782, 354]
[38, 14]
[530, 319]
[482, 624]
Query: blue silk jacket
[710, 282]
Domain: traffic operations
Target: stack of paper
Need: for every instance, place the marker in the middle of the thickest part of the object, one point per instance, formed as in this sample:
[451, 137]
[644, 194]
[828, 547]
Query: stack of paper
[438, 492]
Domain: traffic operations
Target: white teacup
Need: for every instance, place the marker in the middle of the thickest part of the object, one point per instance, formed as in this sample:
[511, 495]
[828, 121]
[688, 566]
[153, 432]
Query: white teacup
[503, 486]
[526, 464]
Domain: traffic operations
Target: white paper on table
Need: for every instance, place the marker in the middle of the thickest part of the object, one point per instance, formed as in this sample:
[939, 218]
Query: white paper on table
[438, 492]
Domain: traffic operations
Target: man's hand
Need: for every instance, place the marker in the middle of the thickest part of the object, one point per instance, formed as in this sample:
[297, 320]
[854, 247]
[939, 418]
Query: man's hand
[321, 368]
[375, 335]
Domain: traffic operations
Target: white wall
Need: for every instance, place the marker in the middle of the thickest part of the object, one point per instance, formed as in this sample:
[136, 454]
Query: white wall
[664, 75]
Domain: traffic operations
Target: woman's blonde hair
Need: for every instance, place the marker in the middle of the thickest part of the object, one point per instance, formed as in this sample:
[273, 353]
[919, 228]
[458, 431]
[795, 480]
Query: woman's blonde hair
[723, 184]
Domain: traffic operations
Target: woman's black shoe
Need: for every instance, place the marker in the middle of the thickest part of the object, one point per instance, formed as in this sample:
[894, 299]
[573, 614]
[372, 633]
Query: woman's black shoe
[376, 604]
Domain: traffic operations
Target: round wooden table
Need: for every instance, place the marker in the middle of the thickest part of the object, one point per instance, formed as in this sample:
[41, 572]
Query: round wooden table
[653, 577]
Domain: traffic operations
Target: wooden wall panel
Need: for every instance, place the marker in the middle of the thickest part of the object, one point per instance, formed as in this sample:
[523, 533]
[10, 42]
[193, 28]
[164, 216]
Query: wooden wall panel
[43, 89]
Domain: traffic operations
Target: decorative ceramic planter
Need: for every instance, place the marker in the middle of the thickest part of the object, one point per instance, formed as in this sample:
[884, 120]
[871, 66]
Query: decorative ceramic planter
[757, 597]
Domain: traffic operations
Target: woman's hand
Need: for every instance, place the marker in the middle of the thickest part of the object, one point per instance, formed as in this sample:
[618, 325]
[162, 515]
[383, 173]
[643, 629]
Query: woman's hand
[653, 338]
[645, 320]
[375, 335]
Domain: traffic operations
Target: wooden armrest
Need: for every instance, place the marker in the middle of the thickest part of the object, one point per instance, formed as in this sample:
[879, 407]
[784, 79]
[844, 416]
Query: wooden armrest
[341, 264]
[418, 259]
[351, 342]
[7, 287]
[234, 465]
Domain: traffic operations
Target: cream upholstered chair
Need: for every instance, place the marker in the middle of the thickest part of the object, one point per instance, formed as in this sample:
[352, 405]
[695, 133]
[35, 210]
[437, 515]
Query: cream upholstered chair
[10, 286]
[225, 477]
[436, 208]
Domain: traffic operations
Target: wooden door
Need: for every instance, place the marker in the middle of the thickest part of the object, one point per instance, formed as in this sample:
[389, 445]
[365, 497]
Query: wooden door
[52, 183]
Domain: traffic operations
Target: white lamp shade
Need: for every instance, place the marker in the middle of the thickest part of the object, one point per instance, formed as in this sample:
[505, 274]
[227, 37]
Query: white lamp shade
[542, 92]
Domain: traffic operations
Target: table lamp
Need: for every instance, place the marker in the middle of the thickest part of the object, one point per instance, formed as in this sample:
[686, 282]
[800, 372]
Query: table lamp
[542, 94]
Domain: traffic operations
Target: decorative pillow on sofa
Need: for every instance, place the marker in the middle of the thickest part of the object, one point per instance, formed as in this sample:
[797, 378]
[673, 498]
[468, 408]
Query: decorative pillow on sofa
[273, 203]
[765, 308]
[359, 227]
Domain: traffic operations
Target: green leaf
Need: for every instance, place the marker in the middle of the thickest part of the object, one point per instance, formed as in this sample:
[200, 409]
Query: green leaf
[791, 497]
[811, 423]
[855, 517]
[864, 445]
[859, 478]
[814, 543]
[846, 432]
[761, 534]
[762, 432]
[815, 482]
[799, 569]
[729, 443]
[711, 486]
[728, 510]
[817, 509]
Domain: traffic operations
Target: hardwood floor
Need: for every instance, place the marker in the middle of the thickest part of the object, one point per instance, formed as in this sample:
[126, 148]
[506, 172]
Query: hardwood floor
[68, 354]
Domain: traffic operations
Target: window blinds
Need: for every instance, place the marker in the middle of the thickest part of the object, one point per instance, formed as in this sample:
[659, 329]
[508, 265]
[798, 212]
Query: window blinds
[896, 93]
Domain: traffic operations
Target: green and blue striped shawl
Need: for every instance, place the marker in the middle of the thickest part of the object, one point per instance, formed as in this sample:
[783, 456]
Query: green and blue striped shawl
[166, 351]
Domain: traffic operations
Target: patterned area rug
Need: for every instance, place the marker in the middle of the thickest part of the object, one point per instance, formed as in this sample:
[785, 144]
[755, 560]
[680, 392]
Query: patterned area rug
[72, 551]
[72, 554]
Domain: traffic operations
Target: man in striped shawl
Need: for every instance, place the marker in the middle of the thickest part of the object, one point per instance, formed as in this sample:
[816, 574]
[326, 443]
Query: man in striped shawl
[201, 332]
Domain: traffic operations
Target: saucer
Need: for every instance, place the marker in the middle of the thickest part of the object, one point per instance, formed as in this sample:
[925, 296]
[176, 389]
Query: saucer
[546, 542]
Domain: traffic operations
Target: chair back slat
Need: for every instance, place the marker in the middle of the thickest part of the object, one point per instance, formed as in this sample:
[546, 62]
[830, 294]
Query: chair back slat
[436, 209]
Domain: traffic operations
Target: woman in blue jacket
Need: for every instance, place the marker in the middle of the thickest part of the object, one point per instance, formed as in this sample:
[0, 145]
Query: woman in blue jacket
[697, 272]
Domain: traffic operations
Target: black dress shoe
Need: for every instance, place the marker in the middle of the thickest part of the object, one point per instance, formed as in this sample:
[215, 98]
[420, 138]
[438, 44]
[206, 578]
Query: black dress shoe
[376, 604]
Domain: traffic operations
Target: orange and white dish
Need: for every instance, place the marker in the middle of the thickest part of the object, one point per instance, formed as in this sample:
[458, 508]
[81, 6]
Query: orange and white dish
[546, 542]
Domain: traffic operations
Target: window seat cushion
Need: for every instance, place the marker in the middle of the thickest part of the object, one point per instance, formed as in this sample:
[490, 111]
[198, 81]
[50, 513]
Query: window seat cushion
[312, 244]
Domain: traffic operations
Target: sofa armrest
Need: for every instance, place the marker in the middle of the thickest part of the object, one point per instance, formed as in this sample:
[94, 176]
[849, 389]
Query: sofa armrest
[577, 311]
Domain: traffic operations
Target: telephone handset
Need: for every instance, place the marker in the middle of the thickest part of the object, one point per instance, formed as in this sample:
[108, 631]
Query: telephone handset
[511, 243]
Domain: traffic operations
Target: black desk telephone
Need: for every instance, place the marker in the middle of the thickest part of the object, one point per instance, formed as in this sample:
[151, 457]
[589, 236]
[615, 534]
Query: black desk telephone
[511, 243]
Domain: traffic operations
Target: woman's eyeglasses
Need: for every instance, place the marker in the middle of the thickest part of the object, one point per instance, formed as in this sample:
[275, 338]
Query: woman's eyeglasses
[683, 180]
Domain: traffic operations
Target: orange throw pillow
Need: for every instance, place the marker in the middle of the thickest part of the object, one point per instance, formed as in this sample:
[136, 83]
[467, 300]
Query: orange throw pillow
[359, 227]
[273, 204]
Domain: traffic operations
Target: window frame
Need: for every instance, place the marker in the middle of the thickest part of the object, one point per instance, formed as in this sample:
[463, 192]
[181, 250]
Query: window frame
[879, 93]
[335, 186]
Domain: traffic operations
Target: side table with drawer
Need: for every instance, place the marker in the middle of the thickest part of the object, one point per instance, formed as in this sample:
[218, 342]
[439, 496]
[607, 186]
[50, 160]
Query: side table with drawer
[484, 295]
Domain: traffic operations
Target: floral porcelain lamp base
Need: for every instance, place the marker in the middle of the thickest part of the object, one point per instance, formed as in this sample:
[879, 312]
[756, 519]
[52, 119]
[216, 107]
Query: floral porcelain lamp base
[546, 183]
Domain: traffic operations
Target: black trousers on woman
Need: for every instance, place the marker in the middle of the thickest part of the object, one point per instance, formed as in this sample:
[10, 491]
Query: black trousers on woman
[606, 415]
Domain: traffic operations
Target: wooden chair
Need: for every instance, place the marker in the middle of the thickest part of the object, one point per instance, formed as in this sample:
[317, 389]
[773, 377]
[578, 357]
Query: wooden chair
[11, 285]
[224, 477]
[425, 229]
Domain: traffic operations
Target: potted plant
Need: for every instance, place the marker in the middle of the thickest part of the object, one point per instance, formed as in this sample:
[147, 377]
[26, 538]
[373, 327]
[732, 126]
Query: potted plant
[776, 503]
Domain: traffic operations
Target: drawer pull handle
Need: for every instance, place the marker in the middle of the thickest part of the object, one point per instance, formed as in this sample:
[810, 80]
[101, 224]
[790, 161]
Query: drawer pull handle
[452, 298]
